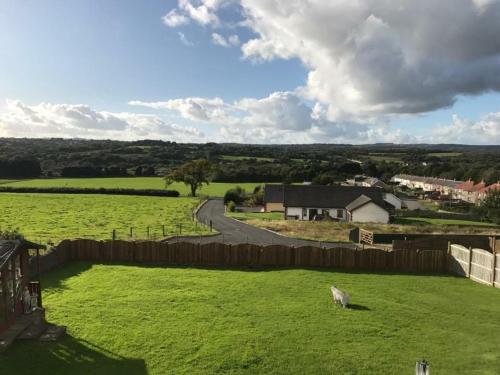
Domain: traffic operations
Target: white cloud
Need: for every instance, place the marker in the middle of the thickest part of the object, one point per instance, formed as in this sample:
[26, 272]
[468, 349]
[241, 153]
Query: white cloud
[18, 119]
[195, 109]
[184, 40]
[175, 19]
[484, 131]
[281, 117]
[374, 57]
[232, 40]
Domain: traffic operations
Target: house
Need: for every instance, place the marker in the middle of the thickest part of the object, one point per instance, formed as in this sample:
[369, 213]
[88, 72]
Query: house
[273, 198]
[361, 180]
[393, 200]
[14, 278]
[341, 203]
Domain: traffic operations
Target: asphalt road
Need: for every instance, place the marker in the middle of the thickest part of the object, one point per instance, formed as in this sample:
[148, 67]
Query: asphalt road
[234, 232]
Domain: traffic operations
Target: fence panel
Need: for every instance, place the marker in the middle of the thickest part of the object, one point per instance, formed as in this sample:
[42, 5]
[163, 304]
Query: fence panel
[404, 260]
[431, 261]
[481, 268]
[458, 262]
[373, 259]
[219, 254]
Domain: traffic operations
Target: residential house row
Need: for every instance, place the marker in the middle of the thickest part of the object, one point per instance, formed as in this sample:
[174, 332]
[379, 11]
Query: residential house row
[467, 191]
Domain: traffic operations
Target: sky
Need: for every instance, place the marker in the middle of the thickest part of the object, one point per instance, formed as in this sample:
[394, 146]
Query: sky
[252, 71]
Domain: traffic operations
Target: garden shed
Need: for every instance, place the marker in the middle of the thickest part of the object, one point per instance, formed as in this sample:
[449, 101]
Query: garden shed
[14, 278]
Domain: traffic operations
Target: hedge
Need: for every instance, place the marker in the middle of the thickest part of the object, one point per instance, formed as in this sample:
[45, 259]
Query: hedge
[69, 190]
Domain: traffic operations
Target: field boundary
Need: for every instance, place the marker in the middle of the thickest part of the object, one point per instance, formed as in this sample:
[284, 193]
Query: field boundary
[241, 255]
[103, 191]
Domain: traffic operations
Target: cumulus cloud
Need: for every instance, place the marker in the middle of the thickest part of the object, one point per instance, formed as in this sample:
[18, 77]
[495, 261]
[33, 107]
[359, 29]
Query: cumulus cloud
[232, 40]
[484, 131]
[175, 19]
[80, 121]
[281, 117]
[374, 56]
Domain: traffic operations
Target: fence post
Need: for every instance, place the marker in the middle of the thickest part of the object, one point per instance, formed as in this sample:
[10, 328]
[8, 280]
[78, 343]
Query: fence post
[163, 229]
[180, 228]
[147, 232]
[470, 261]
[131, 232]
[210, 225]
[114, 234]
[493, 274]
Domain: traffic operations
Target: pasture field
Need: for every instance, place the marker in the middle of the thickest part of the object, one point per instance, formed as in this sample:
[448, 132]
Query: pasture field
[54, 217]
[339, 232]
[131, 319]
[216, 189]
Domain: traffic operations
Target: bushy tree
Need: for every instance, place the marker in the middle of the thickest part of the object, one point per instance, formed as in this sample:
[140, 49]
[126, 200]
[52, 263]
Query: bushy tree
[195, 173]
[236, 195]
[490, 207]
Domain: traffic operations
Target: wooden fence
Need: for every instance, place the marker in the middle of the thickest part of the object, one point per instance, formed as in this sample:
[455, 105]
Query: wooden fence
[477, 264]
[226, 255]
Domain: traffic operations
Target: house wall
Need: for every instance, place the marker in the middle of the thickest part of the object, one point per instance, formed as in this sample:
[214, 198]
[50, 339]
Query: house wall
[370, 213]
[274, 207]
[303, 214]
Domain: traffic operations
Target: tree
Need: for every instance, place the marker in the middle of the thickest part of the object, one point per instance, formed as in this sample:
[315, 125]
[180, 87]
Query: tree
[194, 173]
[490, 206]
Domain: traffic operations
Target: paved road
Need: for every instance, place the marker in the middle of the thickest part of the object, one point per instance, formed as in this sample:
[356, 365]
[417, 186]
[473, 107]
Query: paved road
[234, 231]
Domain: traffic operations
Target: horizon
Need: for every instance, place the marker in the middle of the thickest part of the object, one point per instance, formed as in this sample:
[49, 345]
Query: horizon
[252, 72]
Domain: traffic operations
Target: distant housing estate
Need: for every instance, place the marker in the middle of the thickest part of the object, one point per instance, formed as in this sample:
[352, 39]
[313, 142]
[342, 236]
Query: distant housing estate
[467, 191]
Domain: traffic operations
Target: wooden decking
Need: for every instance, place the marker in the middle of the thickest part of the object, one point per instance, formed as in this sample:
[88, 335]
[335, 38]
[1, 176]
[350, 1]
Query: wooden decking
[30, 327]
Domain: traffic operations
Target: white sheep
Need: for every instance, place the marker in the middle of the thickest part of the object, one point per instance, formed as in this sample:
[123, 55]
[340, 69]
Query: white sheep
[340, 296]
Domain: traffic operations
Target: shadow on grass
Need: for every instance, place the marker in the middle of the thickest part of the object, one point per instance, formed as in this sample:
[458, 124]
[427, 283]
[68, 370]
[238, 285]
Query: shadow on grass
[53, 278]
[359, 307]
[68, 356]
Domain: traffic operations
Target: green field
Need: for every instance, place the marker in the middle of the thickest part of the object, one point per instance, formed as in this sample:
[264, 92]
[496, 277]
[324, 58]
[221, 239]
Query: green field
[53, 217]
[126, 319]
[434, 221]
[214, 189]
[445, 154]
[235, 158]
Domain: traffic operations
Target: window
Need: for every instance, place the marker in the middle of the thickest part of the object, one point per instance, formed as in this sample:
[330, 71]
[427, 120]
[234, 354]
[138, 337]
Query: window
[340, 213]
[304, 212]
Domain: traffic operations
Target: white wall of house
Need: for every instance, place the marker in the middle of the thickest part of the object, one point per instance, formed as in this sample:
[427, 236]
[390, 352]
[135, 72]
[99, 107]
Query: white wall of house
[393, 200]
[304, 213]
[370, 213]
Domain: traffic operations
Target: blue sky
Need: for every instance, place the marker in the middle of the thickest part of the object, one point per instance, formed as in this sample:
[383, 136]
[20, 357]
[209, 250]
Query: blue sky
[280, 79]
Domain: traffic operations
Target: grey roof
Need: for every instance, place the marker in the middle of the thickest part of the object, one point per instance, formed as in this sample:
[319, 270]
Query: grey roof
[429, 180]
[328, 196]
[358, 202]
[9, 247]
[273, 194]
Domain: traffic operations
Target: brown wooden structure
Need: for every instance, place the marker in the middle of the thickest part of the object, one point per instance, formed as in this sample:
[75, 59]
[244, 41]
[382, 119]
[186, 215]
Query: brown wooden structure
[14, 277]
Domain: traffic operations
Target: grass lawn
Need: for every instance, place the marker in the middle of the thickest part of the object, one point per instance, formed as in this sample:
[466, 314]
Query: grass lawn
[44, 217]
[214, 189]
[434, 221]
[125, 319]
[256, 215]
[339, 232]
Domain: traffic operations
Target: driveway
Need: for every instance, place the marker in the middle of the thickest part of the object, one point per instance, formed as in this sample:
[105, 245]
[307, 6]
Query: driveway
[234, 232]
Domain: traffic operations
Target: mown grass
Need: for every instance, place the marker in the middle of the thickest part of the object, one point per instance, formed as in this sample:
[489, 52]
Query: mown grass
[339, 232]
[151, 320]
[53, 217]
[214, 189]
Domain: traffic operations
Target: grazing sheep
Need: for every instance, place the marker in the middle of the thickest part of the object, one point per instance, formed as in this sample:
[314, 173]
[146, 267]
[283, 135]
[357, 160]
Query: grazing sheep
[340, 296]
